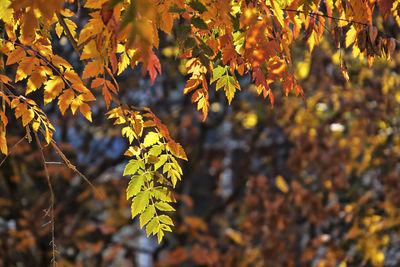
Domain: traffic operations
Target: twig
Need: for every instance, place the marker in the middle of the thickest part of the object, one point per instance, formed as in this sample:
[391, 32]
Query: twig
[68, 33]
[73, 168]
[323, 15]
[12, 149]
[51, 209]
[54, 162]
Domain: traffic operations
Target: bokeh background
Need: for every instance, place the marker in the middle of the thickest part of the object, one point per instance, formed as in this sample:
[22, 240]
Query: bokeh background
[282, 185]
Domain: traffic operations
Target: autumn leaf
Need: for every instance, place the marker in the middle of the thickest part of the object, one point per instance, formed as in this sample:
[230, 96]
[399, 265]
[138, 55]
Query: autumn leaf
[65, 100]
[3, 141]
[26, 67]
[52, 88]
[92, 69]
[16, 55]
[36, 80]
[153, 67]
[85, 109]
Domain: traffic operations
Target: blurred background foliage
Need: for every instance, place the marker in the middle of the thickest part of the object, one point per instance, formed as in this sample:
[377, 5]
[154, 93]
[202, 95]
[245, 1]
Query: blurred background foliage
[280, 185]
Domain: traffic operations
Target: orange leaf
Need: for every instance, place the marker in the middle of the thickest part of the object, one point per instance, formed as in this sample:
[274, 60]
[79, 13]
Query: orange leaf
[107, 95]
[92, 69]
[65, 100]
[29, 23]
[86, 111]
[3, 141]
[16, 55]
[97, 82]
[5, 79]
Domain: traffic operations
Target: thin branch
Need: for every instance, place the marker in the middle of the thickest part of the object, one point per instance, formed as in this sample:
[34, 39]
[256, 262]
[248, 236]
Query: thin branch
[68, 33]
[12, 150]
[73, 168]
[323, 15]
[51, 209]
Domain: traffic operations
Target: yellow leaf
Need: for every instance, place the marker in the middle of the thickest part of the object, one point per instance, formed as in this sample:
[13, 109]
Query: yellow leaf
[71, 26]
[20, 108]
[36, 80]
[26, 67]
[52, 89]
[35, 125]
[27, 116]
[312, 40]
[48, 134]
[123, 63]
[90, 51]
[65, 100]
[3, 141]
[281, 184]
[6, 14]
[76, 102]
[351, 36]
[151, 138]
[59, 30]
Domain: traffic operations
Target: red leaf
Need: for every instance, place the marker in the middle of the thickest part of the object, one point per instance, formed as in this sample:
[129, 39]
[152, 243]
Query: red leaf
[153, 66]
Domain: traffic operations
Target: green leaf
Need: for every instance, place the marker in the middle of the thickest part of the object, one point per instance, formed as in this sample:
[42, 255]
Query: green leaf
[167, 167]
[140, 202]
[135, 185]
[151, 138]
[166, 219]
[163, 206]
[162, 159]
[146, 216]
[156, 150]
[230, 84]
[198, 6]
[132, 167]
[199, 23]
[217, 73]
[161, 193]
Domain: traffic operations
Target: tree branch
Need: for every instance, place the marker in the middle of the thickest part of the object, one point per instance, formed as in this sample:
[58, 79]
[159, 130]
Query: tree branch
[323, 15]
[12, 149]
[51, 209]
[68, 33]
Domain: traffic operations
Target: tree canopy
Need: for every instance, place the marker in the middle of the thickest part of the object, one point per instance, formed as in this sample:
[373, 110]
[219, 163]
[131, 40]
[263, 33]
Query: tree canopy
[263, 47]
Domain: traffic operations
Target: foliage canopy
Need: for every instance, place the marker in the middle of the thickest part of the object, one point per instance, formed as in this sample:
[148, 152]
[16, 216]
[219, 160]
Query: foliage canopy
[221, 40]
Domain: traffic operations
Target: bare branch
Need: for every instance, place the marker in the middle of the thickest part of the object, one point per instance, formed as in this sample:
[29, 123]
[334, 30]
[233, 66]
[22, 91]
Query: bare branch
[51, 209]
